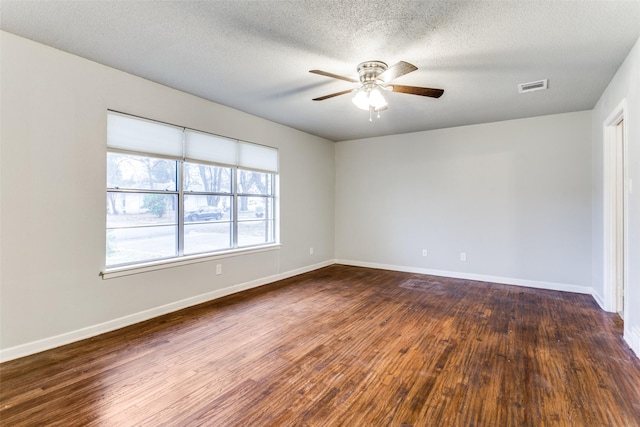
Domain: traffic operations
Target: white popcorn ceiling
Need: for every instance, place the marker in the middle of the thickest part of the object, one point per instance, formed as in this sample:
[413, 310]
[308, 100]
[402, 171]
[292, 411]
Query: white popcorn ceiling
[255, 55]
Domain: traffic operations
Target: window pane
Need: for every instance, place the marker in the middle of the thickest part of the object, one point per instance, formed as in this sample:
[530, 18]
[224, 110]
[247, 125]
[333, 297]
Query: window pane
[207, 237]
[140, 209]
[206, 208]
[206, 178]
[254, 183]
[130, 245]
[257, 232]
[140, 173]
[251, 208]
[141, 227]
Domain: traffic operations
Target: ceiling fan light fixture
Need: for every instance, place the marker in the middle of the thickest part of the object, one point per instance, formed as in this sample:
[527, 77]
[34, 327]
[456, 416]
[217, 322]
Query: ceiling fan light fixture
[376, 100]
[367, 98]
[361, 100]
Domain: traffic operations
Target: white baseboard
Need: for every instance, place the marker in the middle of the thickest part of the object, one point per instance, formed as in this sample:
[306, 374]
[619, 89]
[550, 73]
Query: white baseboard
[632, 338]
[470, 276]
[598, 299]
[111, 325]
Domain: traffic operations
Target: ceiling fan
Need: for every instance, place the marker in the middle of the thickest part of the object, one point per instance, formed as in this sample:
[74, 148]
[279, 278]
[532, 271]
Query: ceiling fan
[374, 77]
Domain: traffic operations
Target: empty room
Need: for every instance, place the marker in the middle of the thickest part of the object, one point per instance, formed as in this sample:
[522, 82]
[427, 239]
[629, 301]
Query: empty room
[319, 213]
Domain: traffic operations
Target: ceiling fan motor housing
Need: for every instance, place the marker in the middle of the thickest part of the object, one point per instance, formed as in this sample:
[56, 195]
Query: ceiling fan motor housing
[370, 70]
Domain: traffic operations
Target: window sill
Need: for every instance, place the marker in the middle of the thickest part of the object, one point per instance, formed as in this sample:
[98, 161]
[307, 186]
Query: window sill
[128, 270]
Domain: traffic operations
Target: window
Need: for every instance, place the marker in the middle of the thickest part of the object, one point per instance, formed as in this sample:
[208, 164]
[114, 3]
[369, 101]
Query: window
[174, 192]
[255, 208]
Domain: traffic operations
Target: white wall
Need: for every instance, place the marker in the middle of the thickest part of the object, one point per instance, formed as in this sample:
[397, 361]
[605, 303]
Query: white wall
[624, 86]
[53, 202]
[515, 196]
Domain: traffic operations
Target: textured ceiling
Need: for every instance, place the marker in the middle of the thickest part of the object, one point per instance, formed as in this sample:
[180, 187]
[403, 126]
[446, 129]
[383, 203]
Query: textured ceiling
[255, 55]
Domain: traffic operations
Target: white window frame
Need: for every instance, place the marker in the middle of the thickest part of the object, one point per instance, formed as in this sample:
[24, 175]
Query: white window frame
[234, 154]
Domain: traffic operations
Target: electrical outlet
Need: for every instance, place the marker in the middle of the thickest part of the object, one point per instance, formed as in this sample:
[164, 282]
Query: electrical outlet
[218, 268]
[463, 256]
[425, 252]
[310, 251]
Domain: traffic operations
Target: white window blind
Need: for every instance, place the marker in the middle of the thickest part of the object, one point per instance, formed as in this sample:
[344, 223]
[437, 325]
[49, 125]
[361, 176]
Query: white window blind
[138, 135]
[259, 157]
[201, 146]
[143, 136]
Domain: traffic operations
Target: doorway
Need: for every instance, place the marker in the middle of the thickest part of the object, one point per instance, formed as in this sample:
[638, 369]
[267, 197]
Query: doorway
[615, 211]
[619, 218]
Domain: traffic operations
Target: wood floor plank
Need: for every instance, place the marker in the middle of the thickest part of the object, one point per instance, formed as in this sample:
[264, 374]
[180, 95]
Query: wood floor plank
[343, 346]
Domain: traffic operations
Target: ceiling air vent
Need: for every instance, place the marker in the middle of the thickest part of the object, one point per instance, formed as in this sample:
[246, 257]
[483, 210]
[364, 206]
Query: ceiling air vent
[532, 86]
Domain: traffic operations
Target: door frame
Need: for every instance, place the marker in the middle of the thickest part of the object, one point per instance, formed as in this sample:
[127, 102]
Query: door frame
[611, 163]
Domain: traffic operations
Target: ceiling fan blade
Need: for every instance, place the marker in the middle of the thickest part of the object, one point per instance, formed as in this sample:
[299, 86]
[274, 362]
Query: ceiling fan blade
[333, 76]
[322, 98]
[415, 90]
[396, 70]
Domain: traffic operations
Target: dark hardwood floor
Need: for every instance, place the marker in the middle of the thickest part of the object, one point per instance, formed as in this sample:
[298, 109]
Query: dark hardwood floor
[343, 346]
